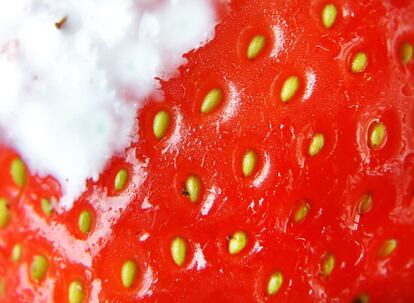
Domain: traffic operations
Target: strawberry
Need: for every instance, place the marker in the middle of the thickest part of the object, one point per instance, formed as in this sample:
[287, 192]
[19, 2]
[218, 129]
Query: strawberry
[278, 168]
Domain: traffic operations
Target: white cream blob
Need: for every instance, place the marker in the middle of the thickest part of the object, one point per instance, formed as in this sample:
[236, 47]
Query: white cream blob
[69, 96]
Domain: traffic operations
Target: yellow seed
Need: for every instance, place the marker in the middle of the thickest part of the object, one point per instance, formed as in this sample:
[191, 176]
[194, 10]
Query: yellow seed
[76, 292]
[274, 283]
[4, 213]
[211, 101]
[388, 248]
[237, 242]
[316, 145]
[193, 188]
[377, 135]
[289, 88]
[39, 267]
[178, 251]
[256, 46]
[249, 163]
[363, 298]
[301, 212]
[161, 124]
[364, 204]
[128, 273]
[2, 287]
[406, 52]
[120, 179]
[329, 14]
[46, 207]
[16, 253]
[85, 221]
[359, 62]
[18, 172]
[328, 264]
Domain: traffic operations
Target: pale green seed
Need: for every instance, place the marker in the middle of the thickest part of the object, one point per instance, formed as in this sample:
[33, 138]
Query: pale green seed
[2, 287]
[359, 62]
[388, 248]
[328, 264]
[76, 292]
[249, 163]
[237, 242]
[18, 172]
[363, 298]
[289, 88]
[301, 212]
[39, 267]
[128, 273]
[16, 253]
[316, 145]
[364, 204]
[256, 46]
[46, 207]
[120, 179]
[178, 251]
[193, 188]
[406, 52]
[274, 283]
[211, 101]
[377, 135]
[329, 14]
[4, 213]
[85, 221]
[161, 124]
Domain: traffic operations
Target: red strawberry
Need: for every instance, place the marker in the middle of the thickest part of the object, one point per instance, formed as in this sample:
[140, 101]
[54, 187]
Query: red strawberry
[279, 168]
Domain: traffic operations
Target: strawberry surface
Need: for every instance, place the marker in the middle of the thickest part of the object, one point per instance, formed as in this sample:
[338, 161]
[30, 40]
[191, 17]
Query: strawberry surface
[278, 168]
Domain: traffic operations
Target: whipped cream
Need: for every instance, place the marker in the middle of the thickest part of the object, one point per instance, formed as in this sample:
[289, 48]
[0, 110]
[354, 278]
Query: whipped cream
[73, 74]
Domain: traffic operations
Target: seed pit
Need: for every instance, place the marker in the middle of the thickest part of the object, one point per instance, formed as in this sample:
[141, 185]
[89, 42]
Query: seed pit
[388, 248]
[46, 206]
[329, 14]
[274, 283]
[2, 287]
[76, 293]
[359, 62]
[128, 273]
[327, 264]
[249, 163]
[406, 51]
[39, 268]
[289, 88]
[120, 179]
[211, 101]
[256, 46]
[255, 42]
[237, 242]
[363, 298]
[377, 135]
[364, 204]
[316, 145]
[18, 172]
[16, 253]
[178, 251]
[85, 221]
[161, 124]
[300, 212]
[192, 188]
[376, 139]
[5, 214]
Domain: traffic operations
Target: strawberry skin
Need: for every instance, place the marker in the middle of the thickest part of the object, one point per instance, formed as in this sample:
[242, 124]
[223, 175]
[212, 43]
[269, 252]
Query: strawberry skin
[279, 168]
